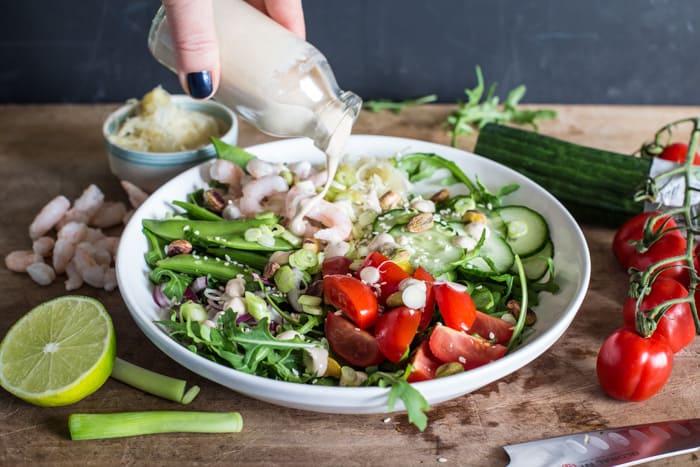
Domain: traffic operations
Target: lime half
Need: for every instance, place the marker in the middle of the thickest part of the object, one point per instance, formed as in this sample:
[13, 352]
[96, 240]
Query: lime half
[59, 353]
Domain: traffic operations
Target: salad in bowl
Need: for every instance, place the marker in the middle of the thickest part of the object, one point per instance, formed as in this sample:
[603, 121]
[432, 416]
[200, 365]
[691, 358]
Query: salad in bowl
[412, 280]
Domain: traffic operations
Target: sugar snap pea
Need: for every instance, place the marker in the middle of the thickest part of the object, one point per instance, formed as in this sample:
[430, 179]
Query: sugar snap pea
[195, 211]
[203, 265]
[255, 260]
[173, 229]
[238, 242]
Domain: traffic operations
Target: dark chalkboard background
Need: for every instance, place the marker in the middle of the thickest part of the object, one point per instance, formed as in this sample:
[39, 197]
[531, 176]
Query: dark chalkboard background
[565, 51]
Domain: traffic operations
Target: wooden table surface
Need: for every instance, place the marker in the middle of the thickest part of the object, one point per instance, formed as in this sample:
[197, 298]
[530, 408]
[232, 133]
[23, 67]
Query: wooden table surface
[57, 149]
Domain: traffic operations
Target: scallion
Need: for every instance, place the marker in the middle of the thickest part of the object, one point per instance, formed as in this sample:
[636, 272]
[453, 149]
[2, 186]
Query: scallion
[118, 425]
[153, 383]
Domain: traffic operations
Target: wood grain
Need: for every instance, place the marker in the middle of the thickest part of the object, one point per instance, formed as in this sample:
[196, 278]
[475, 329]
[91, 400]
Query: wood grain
[57, 149]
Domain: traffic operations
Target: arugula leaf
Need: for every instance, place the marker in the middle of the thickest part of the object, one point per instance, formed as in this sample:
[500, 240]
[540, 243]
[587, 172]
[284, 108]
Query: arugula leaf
[397, 106]
[475, 114]
[412, 399]
[175, 283]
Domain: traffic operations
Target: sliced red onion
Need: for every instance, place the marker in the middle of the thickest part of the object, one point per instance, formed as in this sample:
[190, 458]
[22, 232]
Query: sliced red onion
[199, 284]
[190, 295]
[245, 318]
[160, 298]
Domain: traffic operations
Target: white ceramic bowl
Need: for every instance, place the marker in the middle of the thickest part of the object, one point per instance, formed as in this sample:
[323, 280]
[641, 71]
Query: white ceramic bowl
[149, 170]
[554, 313]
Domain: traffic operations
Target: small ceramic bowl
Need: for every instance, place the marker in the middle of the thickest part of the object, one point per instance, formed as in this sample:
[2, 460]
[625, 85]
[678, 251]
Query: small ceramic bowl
[149, 170]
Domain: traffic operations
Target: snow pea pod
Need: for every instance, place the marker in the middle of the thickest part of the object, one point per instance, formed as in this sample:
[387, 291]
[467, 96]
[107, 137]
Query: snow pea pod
[198, 212]
[202, 266]
[255, 260]
[238, 242]
[173, 229]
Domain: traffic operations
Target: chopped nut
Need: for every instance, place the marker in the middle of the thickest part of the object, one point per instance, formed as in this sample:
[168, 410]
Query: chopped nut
[310, 244]
[513, 306]
[394, 300]
[214, 201]
[270, 270]
[179, 247]
[420, 222]
[389, 200]
[474, 216]
[423, 205]
[448, 369]
[440, 196]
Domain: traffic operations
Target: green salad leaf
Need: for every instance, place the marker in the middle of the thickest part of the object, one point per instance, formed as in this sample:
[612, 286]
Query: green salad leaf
[397, 106]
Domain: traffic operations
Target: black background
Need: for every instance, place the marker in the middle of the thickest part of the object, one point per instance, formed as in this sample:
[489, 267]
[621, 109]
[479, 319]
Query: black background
[565, 51]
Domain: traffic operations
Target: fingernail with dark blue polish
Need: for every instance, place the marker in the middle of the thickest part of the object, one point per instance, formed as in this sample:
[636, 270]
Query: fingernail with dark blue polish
[199, 84]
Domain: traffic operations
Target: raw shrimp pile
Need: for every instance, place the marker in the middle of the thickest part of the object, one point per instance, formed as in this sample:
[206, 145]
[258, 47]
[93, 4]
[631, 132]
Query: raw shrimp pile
[69, 239]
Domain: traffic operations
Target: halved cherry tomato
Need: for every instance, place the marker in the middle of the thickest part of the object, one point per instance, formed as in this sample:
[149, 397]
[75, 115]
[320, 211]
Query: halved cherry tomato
[678, 152]
[390, 274]
[449, 345]
[336, 265]
[492, 328]
[423, 364]
[353, 297]
[395, 330]
[456, 306]
[632, 230]
[429, 308]
[631, 367]
[677, 324]
[357, 347]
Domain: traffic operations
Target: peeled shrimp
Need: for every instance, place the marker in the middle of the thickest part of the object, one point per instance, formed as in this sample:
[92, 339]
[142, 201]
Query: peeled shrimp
[85, 206]
[256, 190]
[301, 169]
[49, 216]
[110, 279]
[136, 195]
[43, 246]
[110, 214]
[41, 273]
[336, 220]
[20, 260]
[319, 178]
[259, 168]
[226, 172]
[296, 194]
[75, 280]
[63, 252]
[87, 266]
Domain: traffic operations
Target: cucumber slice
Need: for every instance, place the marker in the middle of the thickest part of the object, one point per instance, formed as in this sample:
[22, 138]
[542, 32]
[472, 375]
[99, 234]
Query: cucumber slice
[536, 265]
[432, 249]
[500, 257]
[527, 231]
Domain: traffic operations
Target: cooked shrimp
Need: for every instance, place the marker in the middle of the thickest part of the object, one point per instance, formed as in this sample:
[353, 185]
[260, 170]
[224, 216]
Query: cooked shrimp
[109, 215]
[301, 169]
[41, 273]
[319, 178]
[136, 195]
[63, 252]
[226, 172]
[43, 246]
[296, 194]
[20, 260]
[87, 266]
[259, 168]
[257, 190]
[49, 216]
[73, 231]
[336, 220]
[94, 235]
[109, 244]
[75, 280]
[85, 206]
[110, 279]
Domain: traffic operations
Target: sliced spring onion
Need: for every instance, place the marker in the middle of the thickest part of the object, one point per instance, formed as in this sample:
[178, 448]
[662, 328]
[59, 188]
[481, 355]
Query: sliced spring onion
[153, 383]
[118, 425]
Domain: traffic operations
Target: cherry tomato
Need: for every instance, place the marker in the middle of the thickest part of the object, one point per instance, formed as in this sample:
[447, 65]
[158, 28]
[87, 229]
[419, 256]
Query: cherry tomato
[667, 246]
[353, 297]
[677, 152]
[492, 328]
[423, 364]
[633, 230]
[429, 308]
[395, 330]
[631, 367]
[357, 347]
[456, 306]
[677, 324]
[336, 265]
[390, 274]
[449, 345]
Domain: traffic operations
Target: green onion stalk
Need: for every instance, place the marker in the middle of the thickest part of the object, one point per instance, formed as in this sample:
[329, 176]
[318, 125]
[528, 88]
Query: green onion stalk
[173, 389]
[642, 281]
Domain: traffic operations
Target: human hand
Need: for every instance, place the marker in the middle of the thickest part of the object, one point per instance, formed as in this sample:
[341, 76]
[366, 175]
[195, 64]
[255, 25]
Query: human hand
[194, 38]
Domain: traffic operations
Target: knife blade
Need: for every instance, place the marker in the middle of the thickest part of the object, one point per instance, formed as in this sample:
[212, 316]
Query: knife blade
[624, 446]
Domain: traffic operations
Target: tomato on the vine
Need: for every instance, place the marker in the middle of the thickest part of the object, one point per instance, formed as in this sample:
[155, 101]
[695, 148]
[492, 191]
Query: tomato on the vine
[666, 247]
[631, 367]
[677, 324]
[678, 152]
[353, 297]
[456, 306]
[632, 230]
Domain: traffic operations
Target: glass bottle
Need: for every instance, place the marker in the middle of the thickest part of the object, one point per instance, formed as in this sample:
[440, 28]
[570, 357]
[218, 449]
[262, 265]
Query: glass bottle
[270, 77]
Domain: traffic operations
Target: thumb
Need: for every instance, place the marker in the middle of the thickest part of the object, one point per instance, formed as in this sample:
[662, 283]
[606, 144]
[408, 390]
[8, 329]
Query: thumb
[196, 48]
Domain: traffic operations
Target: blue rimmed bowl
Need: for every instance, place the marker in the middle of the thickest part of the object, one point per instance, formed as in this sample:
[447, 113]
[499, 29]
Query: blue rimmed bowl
[149, 170]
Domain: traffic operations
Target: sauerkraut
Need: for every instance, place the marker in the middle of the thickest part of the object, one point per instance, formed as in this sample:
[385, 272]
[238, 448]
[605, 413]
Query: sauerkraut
[159, 125]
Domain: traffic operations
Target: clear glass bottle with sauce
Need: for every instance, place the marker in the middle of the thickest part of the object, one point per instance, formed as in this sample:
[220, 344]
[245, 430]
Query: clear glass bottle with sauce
[270, 77]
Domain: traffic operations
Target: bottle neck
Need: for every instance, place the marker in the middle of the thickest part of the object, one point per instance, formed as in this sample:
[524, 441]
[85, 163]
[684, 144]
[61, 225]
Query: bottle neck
[335, 122]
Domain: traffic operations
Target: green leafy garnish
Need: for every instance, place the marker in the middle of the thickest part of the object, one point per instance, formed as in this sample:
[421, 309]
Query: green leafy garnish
[397, 106]
[476, 114]
[412, 399]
